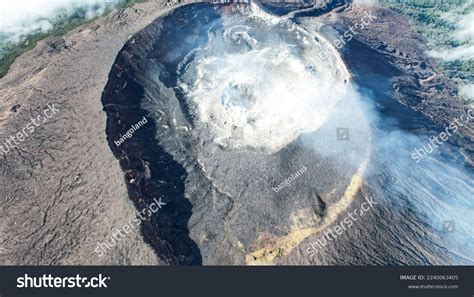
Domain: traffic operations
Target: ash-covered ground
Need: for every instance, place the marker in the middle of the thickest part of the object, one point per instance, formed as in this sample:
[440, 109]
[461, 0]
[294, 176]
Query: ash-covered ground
[279, 137]
[268, 134]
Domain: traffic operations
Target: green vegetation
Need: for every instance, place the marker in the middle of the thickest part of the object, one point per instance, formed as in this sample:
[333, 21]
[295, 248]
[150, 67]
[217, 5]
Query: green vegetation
[427, 19]
[426, 15]
[61, 24]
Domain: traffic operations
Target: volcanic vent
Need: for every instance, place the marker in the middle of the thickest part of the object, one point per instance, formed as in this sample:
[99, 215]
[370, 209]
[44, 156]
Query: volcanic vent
[238, 103]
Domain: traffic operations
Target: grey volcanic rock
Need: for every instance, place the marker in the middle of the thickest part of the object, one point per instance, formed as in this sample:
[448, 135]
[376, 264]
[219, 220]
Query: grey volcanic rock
[62, 189]
[389, 60]
[415, 79]
[235, 212]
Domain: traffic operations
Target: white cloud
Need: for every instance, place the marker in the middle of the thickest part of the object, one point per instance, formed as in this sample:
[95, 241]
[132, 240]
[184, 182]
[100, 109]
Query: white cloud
[367, 2]
[464, 34]
[465, 25]
[467, 91]
[19, 17]
[463, 52]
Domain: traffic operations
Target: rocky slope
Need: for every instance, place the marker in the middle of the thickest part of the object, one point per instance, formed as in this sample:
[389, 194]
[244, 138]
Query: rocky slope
[63, 191]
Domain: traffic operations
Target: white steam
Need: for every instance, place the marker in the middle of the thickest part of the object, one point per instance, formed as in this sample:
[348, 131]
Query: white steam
[467, 92]
[269, 103]
[367, 2]
[19, 18]
[464, 35]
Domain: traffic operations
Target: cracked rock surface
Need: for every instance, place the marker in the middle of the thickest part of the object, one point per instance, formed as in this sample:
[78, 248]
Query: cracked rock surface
[65, 188]
[62, 190]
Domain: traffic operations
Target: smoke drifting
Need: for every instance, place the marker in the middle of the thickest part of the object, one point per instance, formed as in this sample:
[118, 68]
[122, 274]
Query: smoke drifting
[467, 91]
[419, 197]
[435, 191]
[270, 102]
[463, 35]
[463, 40]
[367, 2]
